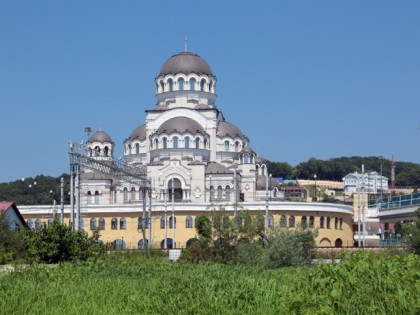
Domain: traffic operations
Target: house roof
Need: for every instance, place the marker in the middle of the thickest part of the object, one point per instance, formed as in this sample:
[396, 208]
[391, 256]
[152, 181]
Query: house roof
[6, 205]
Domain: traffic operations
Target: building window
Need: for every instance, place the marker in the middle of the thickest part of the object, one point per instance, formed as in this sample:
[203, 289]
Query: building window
[192, 84]
[171, 85]
[187, 142]
[123, 224]
[125, 194]
[156, 144]
[114, 224]
[137, 148]
[38, 224]
[162, 222]
[275, 190]
[106, 151]
[321, 223]
[211, 193]
[246, 158]
[30, 224]
[101, 223]
[336, 223]
[202, 83]
[142, 244]
[263, 170]
[96, 197]
[197, 143]
[291, 221]
[270, 221]
[175, 142]
[311, 221]
[93, 224]
[227, 191]
[341, 223]
[89, 198]
[236, 146]
[196, 221]
[205, 143]
[189, 222]
[165, 143]
[172, 222]
[181, 84]
[50, 222]
[161, 86]
[141, 222]
[328, 222]
[226, 146]
[304, 222]
[283, 221]
[219, 192]
[133, 193]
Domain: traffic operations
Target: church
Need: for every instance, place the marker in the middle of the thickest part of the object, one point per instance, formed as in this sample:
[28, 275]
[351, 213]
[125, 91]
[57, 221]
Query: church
[195, 159]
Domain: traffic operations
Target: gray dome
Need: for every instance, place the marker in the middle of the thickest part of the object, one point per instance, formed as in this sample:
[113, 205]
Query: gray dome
[180, 125]
[139, 133]
[259, 160]
[185, 62]
[227, 129]
[261, 181]
[100, 136]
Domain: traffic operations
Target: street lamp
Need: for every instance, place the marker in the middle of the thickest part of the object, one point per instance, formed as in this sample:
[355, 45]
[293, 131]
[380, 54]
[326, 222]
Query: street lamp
[315, 199]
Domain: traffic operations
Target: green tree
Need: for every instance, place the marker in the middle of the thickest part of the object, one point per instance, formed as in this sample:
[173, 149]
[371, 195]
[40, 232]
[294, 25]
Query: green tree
[59, 243]
[412, 234]
[12, 243]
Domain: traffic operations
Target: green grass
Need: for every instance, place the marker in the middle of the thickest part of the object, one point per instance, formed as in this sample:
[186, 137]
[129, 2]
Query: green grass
[122, 284]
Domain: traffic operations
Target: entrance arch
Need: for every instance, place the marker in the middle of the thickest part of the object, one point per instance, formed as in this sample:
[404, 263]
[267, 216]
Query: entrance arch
[169, 243]
[177, 189]
[338, 242]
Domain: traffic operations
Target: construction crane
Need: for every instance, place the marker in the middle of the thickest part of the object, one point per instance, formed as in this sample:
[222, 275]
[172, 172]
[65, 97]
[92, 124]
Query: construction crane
[80, 160]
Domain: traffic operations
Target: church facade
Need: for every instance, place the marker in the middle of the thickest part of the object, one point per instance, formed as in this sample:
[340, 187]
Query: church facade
[195, 159]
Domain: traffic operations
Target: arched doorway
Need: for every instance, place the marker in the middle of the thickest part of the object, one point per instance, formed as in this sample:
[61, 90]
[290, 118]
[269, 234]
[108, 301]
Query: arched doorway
[338, 242]
[177, 190]
[169, 243]
[191, 241]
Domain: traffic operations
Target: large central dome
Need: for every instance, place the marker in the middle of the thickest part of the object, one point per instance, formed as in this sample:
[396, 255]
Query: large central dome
[185, 62]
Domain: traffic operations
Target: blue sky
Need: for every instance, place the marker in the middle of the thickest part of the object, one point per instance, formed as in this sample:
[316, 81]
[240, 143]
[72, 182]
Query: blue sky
[301, 79]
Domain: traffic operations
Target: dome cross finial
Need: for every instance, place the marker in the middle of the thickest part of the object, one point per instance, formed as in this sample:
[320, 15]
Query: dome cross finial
[185, 43]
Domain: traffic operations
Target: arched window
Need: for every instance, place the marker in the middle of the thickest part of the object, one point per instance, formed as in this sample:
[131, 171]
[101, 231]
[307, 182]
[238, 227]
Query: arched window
[189, 222]
[219, 192]
[181, 84]
[140, 223]
[171, 85]
[246, 158]
[236, 146]
[114, 224]
[336, 223]
[211, 193]
[192, 84]
[328, 222]
[202, 83]
[30, 224]
[283, 221]
[97, 151]
[197, 143]
[137, 148]
[263, 170]
[175, 142]
[142, 244]
[226, 146]
[205, 143]
[291, 221]
[311, 221]
[129, 149]
[270, 221]
[156, 144]
[187, 142]
[304, 222]
[106, 151]
[38, 224]
[96, 197]
[162, 222]
[89, 197]
[161, 86]
[321, 222]
[123, 224]
[92, 224]
[133, 193]
[341, 223]
[275, 190]
[227, 191]
[50, 222]
[165, 143]
[101, 223]
[172, 223]
[125, 194]
[196, 220]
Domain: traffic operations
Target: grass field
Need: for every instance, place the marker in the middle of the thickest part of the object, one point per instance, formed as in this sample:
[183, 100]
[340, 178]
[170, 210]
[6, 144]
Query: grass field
[126, 284]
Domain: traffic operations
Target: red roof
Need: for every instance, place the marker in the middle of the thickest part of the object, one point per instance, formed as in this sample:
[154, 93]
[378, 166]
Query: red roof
[4, 205]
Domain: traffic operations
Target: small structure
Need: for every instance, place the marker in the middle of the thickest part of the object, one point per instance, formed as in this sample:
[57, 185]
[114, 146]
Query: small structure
[370, 182]
[294, 192]
[13, 216]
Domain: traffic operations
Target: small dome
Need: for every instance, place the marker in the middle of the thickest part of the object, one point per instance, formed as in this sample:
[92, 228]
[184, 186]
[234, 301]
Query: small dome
[259, 160]
[185, 62]
[139, 133]
[180, 125]
[227, 129]
[261, 182]
[100, 136]
[247, 150]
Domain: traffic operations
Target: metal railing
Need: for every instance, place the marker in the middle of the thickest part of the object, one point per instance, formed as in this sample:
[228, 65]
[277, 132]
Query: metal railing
[395, 202]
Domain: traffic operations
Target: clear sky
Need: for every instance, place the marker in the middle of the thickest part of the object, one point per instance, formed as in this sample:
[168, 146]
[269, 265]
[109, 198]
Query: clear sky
[301, 79]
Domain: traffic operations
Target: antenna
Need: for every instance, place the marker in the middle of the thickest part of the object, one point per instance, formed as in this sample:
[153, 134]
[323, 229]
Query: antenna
[185, 43]
[88, 130]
